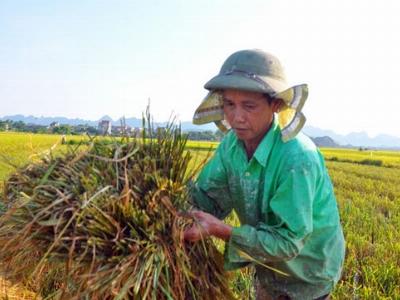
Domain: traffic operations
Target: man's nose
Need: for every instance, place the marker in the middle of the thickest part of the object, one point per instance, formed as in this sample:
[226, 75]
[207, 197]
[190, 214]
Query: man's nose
[239, 116]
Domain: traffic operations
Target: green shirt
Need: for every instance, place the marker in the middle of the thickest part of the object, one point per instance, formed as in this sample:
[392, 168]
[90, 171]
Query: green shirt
[289, 218]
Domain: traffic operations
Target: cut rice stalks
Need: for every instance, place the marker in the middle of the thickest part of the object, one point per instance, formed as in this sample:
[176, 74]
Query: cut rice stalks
[104, 223]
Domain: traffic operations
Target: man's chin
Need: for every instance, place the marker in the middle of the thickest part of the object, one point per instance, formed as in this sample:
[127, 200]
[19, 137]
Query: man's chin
[241, 134]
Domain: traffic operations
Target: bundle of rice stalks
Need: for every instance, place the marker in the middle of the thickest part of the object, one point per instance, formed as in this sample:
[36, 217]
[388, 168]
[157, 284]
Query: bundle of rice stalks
[104, 223]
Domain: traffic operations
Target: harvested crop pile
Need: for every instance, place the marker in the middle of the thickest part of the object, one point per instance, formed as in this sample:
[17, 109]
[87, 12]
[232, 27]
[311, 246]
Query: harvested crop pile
[104, 223]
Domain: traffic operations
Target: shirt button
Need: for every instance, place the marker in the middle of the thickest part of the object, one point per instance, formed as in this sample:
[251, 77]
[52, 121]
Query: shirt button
[247, 174]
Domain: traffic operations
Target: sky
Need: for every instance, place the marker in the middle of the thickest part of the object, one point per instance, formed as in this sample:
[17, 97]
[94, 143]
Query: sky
[90, 58]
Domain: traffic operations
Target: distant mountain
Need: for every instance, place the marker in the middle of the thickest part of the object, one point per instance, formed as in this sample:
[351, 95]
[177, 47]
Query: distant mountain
[356, 139]
[317, 132]
[45, 121]
[132, 122]
[325, 141]
[106, 117]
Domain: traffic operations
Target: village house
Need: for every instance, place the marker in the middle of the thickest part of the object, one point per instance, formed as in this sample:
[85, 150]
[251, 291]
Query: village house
[53, 125]
[136, 132]
[104, 127]
[118, 130]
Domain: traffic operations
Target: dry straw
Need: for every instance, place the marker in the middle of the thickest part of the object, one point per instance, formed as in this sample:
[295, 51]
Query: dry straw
[103, 223]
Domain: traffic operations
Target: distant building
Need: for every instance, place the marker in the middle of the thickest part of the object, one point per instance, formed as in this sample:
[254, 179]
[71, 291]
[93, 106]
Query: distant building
[136, 132]
[53, 125]
[104, 127]
[118, 130]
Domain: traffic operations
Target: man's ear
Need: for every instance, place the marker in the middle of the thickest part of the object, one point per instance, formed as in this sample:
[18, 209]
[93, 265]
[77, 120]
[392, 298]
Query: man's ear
[277, 105]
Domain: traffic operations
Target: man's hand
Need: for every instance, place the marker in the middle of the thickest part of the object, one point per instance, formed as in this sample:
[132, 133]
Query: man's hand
[206, 225]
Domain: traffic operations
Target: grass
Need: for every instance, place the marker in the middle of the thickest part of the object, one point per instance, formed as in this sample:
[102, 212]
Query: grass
[367, 186]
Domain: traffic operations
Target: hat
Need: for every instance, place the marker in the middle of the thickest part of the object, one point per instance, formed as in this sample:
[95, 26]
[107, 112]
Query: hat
[256, 71]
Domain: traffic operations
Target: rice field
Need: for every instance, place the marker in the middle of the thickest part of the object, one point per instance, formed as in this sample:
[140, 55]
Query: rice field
[367, 186]
[390, 159]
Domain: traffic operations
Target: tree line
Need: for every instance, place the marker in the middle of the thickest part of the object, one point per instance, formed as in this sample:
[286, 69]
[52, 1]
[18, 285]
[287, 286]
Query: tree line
[19, 126]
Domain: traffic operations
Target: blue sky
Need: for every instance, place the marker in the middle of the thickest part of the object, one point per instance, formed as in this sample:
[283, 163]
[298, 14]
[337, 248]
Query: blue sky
[90, 58]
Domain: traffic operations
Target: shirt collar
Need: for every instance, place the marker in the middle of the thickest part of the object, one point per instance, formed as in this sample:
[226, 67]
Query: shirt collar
[264, 148]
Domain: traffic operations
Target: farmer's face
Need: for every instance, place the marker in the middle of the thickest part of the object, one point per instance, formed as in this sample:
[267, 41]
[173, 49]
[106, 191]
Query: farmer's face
[249, 114]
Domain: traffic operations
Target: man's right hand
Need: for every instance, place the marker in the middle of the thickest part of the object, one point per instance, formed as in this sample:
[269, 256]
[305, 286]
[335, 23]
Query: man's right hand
[206, 225]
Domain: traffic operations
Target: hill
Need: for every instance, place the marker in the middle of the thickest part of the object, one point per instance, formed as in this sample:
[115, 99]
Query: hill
[356, 139]
[325, 141]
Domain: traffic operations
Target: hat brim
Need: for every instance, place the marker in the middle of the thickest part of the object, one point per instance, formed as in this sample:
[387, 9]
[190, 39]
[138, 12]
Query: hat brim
[294, 97]
[290, 118]
[270, 85]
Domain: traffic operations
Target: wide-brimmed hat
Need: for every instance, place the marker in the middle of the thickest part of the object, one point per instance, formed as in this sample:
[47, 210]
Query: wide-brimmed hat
[256, 71]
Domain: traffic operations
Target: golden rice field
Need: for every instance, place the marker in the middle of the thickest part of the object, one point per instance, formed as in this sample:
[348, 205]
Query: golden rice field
[367, 186]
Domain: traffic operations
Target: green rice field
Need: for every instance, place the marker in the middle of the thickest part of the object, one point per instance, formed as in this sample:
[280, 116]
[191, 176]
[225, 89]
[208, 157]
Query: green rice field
[367, 187]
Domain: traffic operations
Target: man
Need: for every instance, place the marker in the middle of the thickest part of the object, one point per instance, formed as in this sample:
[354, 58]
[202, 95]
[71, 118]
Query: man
[273, 177]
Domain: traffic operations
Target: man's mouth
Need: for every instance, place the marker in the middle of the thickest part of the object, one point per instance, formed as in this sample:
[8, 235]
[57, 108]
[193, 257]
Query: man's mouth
[240, 130]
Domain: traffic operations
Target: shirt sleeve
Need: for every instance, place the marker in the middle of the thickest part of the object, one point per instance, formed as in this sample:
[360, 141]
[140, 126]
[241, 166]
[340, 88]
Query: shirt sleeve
[290, 207]
[210, 192]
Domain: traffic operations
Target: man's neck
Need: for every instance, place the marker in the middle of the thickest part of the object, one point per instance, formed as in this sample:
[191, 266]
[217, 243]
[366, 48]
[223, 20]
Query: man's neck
[251, 146]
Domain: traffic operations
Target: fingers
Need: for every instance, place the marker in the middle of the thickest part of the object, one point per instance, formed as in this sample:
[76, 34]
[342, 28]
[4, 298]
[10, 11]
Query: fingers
[191, 235]
[197, 214]
[202, 226]
[194, 233]
[185, 214]
[191, 214]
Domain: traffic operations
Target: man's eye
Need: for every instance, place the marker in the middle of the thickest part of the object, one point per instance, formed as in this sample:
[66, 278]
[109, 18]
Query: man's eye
[228, 103]
[249, 106]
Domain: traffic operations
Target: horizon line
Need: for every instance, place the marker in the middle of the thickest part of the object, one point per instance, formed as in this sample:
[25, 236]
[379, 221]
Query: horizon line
[140, 118]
